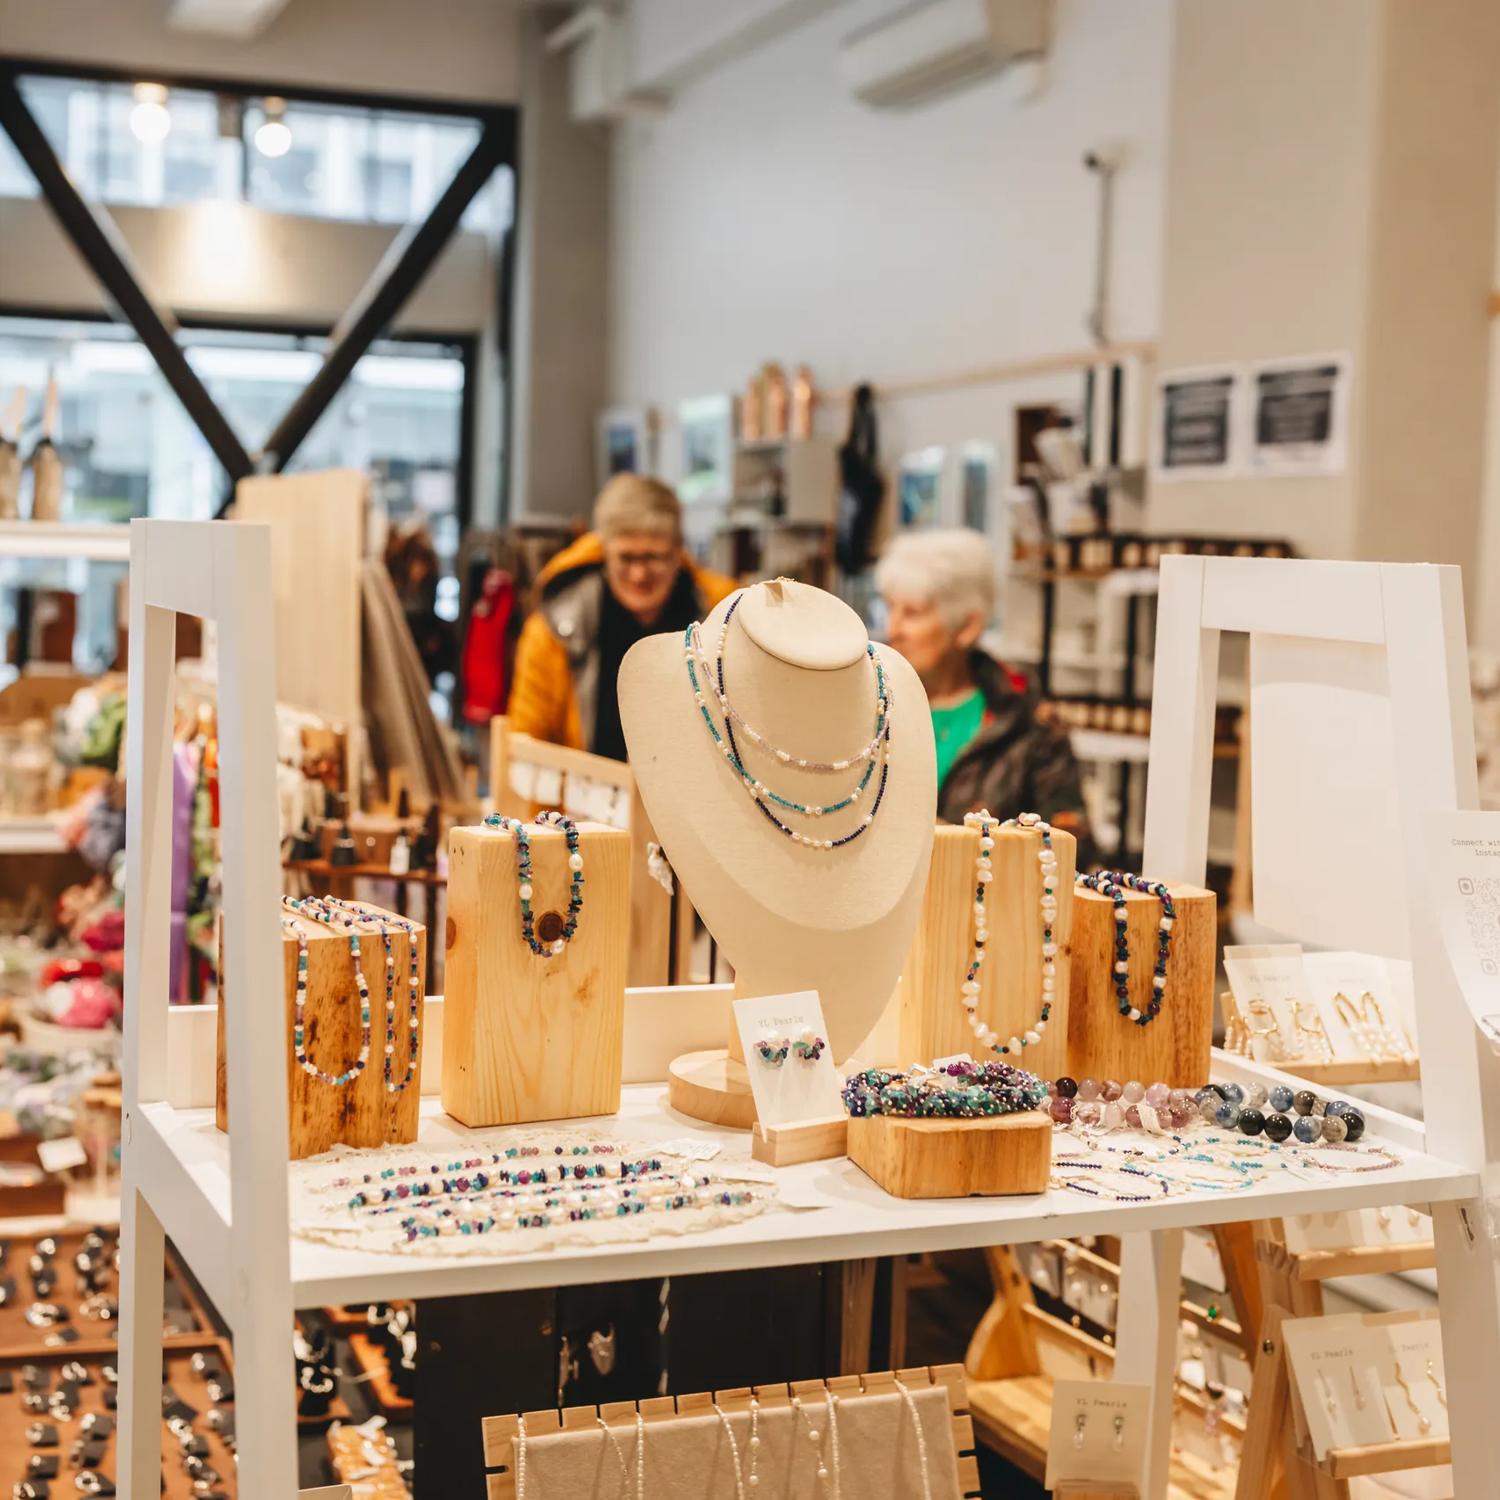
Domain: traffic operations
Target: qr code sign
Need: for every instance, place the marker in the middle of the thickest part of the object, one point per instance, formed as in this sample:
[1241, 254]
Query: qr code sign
[1481, 906]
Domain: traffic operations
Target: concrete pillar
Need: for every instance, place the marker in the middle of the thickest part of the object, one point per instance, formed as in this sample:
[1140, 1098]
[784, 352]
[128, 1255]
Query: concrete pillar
[558, 368]
[1331, 188]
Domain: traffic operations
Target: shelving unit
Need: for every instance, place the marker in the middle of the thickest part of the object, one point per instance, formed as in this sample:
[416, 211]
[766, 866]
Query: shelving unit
[31, 836]
[224, 1200]
[88, 541]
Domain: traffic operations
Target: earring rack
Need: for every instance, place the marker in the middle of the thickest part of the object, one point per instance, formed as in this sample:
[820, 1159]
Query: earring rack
[1293, 1287]
[500, 1432]
[1340, 1072]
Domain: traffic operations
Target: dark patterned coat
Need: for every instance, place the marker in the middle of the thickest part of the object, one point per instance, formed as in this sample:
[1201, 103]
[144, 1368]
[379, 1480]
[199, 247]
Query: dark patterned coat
[1015, 764]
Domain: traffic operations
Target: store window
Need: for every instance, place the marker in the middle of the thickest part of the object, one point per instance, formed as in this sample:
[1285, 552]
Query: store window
[187, 145]
[129, 449]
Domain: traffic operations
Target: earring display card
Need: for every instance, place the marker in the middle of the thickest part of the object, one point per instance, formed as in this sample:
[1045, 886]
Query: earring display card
[1265, 979]
[1098, 1431]
[1365, 1380]
[780, 1034]
[1363, 1226]
[1376, 1015]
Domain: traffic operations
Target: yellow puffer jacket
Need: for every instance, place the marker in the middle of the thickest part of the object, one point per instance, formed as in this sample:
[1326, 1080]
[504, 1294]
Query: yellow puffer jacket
[556, 687]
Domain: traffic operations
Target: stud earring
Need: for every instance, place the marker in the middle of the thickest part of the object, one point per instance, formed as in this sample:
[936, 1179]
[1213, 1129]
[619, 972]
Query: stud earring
[809, 1046]
[1079, 1423]
[773, 1050]
[1119, 1434]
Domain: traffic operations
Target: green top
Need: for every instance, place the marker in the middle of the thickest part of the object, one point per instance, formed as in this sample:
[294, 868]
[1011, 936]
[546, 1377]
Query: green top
[954, 729]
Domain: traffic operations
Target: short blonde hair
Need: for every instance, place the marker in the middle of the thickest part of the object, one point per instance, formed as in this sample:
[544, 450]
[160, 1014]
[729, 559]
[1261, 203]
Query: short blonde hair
[633, 503]
[952, 569]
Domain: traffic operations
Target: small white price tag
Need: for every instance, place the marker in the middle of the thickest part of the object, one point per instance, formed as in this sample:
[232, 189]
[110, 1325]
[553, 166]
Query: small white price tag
[59, 1155]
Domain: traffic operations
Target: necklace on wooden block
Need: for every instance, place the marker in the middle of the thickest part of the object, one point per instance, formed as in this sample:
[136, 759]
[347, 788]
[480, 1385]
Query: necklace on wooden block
[310, 909]
[525, 887]
[983, 876]
[1114, 884]
[385, 922]
[878, 752]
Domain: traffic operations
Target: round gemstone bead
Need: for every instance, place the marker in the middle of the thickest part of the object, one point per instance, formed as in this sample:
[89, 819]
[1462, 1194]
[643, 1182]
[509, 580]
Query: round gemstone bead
[1158, 1095]
[1061, 1110]
[1303, 1101]
[1088, 1088]
[1307, 1129]
[1252, 1121]
[1354, 1124]
[1256, 1095]
[1278, 1127]
[1209, 1108]
[1133, 1116]
[1281, 1098]
[1114, 1115]
[1334, 1128]
[1067, 1088]
[1110, 1089]
[1232, 1092]
[1133, 1092]
[1227, 1114]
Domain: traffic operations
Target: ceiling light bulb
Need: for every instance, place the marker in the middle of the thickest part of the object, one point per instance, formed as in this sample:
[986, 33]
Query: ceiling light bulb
[273, 137]
[150, 119]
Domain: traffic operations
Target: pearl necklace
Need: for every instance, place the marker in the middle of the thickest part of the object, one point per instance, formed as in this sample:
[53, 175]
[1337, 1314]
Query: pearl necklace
[524, 887]
[413, 985]
[762, 795]
[816, 1439]
[983, 876]
[1114, 884]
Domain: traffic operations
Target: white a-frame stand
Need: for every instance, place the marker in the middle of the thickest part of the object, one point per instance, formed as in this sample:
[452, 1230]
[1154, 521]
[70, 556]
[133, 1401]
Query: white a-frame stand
[1378, 650]
[219, 571]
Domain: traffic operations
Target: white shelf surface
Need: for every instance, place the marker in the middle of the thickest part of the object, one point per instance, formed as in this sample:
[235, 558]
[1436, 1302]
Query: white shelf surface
[30, 836]
[95, 542]
[853, 1218]
[1108, 744]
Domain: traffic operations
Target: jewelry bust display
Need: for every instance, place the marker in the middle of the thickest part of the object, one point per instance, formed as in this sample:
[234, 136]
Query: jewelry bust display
[800, 671]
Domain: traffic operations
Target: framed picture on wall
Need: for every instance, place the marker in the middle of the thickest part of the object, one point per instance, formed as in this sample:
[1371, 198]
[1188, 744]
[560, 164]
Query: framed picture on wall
[706, 425]
[919, 488]
[624, 442]
[979, 464]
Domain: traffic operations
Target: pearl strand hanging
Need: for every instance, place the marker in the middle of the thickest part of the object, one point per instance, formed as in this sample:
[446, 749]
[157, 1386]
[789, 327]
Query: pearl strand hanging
[413, 985]
[734, 1451]
[983, 877]
[916, 1422]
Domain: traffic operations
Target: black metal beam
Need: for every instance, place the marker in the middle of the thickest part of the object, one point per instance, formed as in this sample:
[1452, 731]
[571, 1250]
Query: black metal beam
[94, 235]
[398, 275]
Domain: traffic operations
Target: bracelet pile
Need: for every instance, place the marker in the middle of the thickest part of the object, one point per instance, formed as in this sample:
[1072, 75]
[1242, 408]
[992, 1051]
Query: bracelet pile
[1280, 1112]
[958, 1090]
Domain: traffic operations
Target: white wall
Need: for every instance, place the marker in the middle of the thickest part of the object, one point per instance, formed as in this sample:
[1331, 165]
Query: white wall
[459, 49]
[767, 214]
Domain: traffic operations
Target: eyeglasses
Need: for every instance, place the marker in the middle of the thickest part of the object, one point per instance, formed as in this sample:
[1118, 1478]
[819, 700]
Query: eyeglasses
[654, 562]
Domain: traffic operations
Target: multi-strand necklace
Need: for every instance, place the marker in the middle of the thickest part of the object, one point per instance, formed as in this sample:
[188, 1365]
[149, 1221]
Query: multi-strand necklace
[983, 877]
[299, 1019]
[1114, 884]
[876, 752]
[386, 922]
[525, 888]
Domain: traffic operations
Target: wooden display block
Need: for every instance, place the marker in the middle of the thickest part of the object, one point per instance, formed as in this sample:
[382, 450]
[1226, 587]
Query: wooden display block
[806, 1140]
[1174, 1048]
[529, 1037]
[954, 1158]
[712, 1086]
[933, 1022]
[362, 1112]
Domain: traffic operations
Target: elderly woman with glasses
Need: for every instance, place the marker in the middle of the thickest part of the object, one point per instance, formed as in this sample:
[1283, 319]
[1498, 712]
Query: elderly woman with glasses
[939, 592]
[627, 578]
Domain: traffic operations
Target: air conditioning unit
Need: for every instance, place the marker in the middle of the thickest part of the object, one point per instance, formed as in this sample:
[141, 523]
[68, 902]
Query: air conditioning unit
[930, 47]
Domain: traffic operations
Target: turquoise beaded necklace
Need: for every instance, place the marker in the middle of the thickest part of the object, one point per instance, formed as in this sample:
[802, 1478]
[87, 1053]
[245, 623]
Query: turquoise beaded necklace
[878, 751]
[313, 911]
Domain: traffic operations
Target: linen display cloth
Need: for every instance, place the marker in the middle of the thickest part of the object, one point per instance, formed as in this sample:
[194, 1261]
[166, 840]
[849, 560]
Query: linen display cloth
[689, 1458]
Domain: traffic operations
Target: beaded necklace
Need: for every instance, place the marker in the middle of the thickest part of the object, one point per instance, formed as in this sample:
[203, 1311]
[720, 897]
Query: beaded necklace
[477, 1182]
[524, 889]
[1114, 884]
[762, 795]
[310, 910]
[983, 876]
[916, 1422]
[413, 985]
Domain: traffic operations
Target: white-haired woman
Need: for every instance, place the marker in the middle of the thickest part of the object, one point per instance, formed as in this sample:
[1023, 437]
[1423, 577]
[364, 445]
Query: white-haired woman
[939, 589]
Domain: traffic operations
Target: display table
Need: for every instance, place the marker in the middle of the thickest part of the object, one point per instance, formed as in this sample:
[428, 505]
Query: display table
[853, 1218]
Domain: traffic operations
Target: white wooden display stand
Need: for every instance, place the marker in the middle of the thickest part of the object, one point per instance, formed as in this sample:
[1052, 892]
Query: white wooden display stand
[224, 1200]
[1356, 627]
